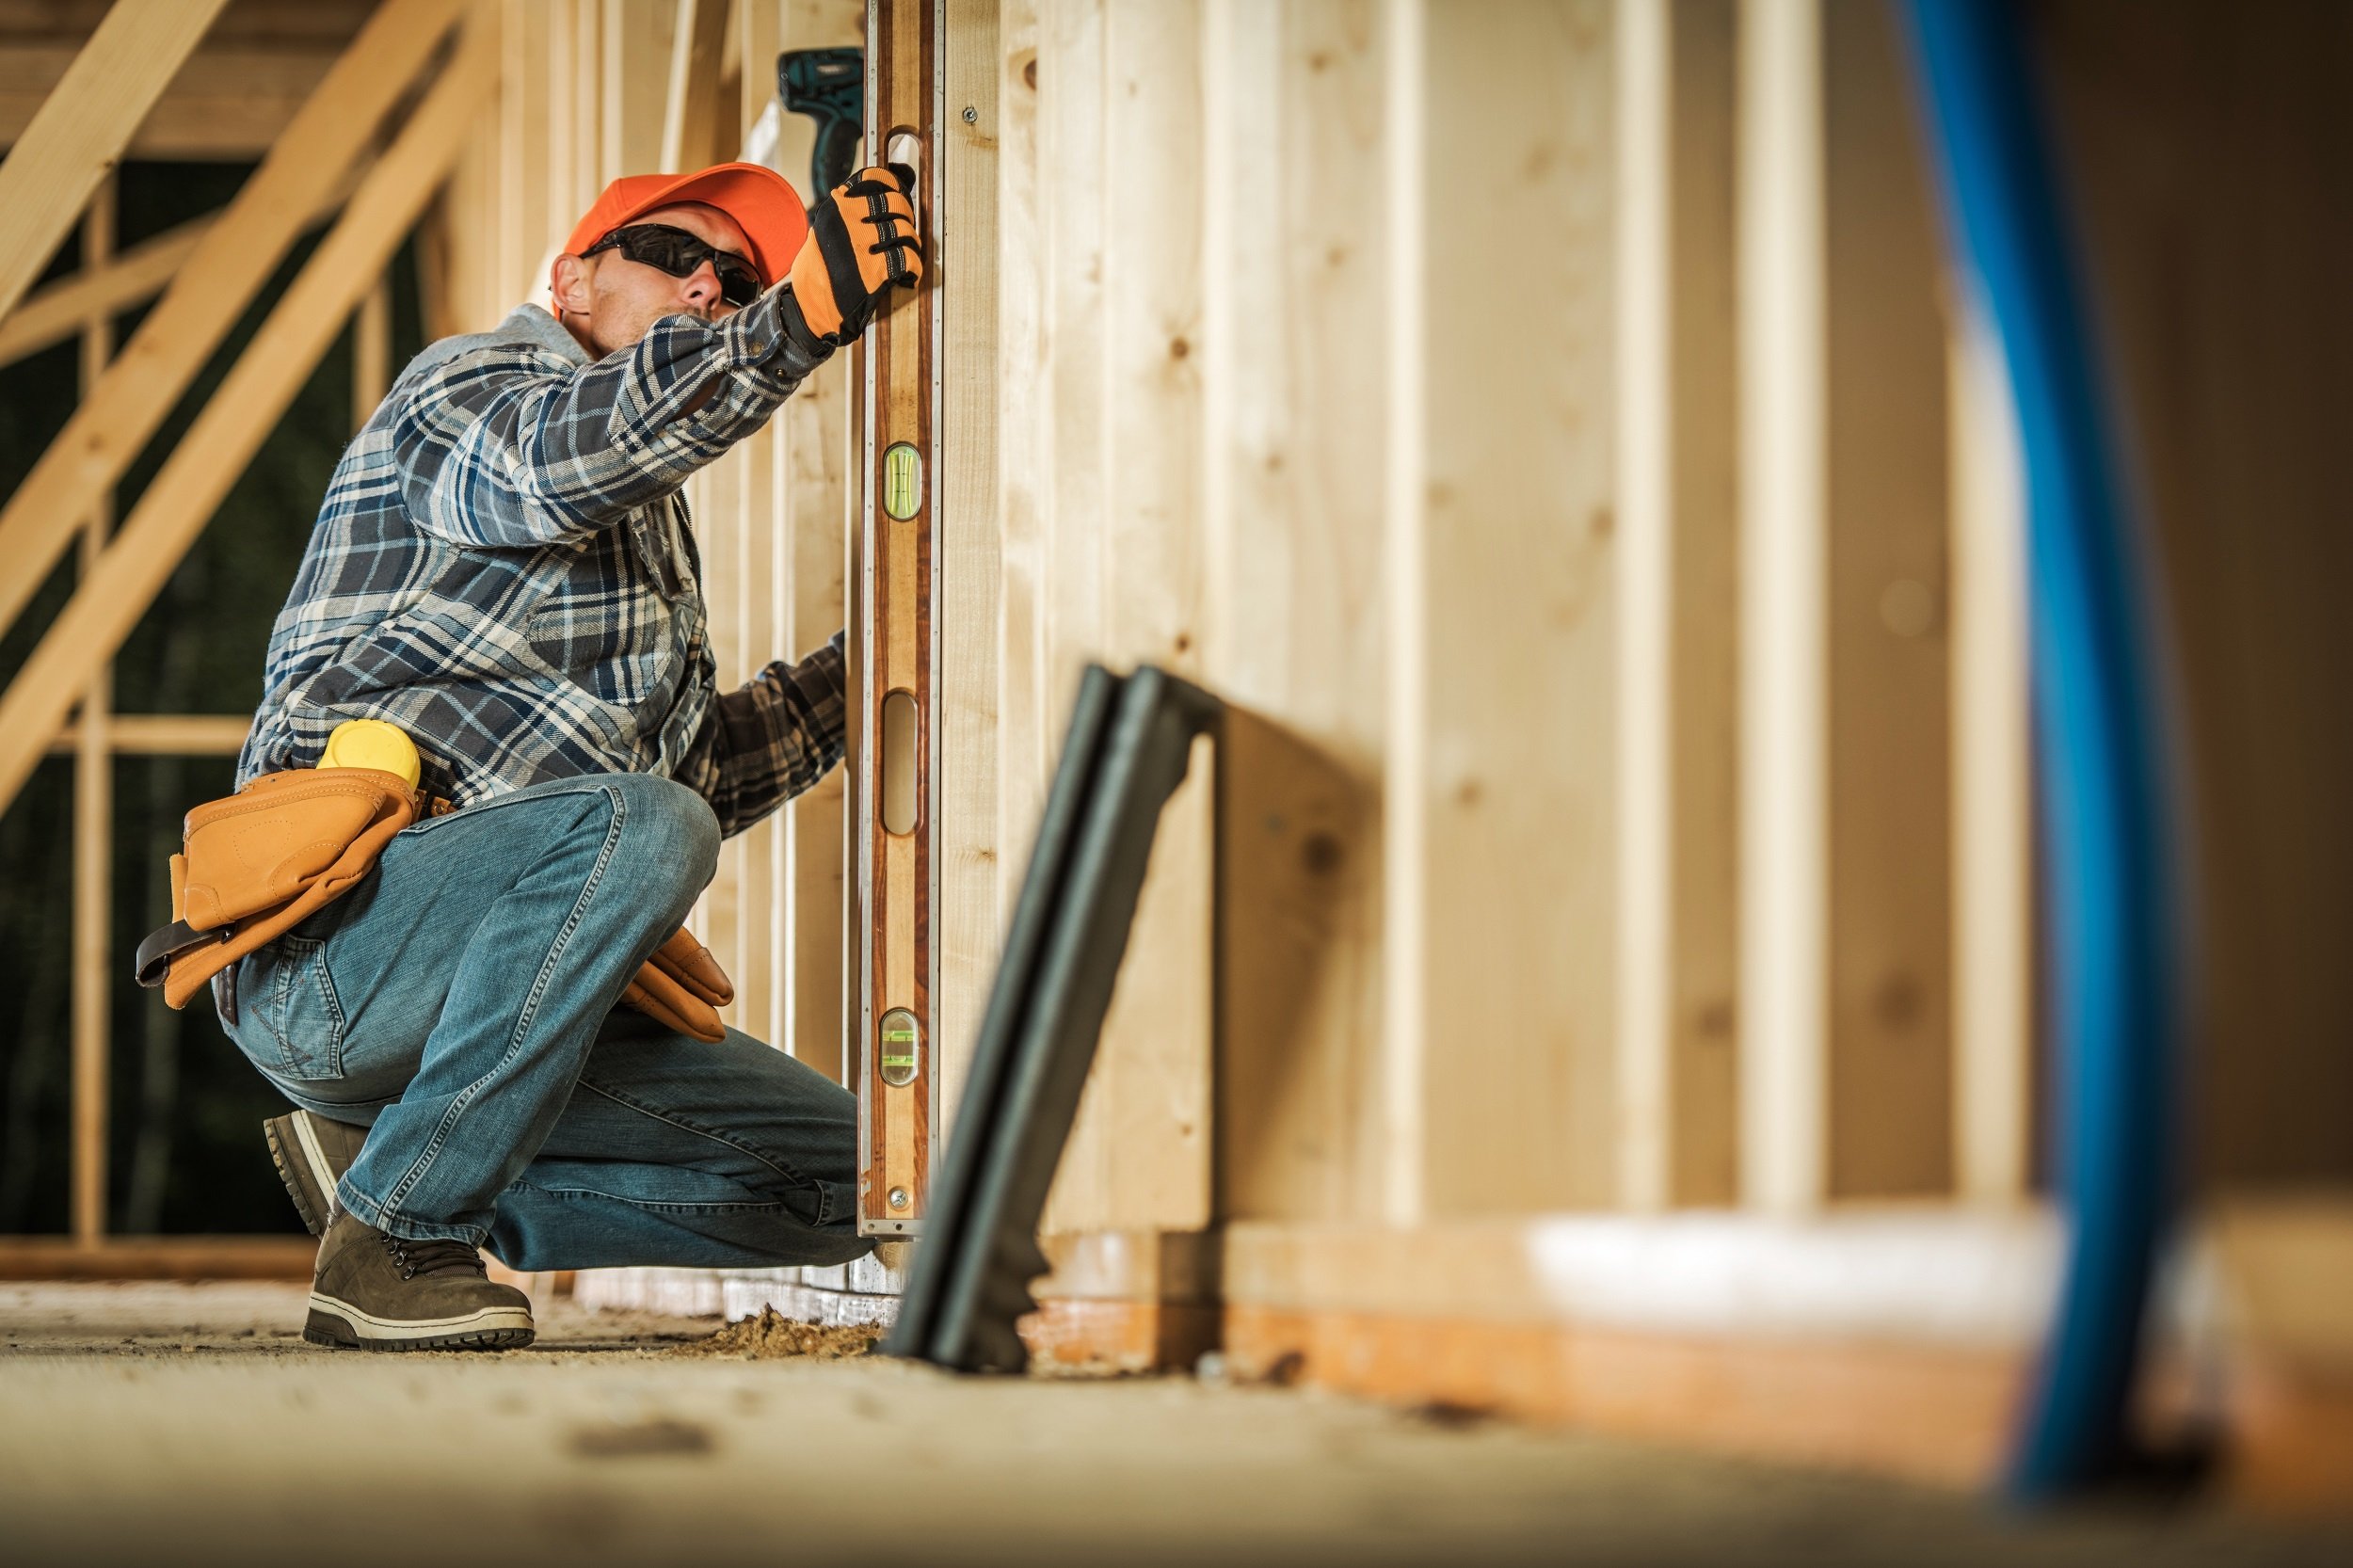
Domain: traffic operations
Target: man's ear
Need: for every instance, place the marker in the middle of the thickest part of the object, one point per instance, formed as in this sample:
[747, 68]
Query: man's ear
[568, 281]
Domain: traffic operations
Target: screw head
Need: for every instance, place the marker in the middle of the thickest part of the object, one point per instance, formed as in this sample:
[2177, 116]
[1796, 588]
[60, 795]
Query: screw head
[898, 1197]
[971, 114]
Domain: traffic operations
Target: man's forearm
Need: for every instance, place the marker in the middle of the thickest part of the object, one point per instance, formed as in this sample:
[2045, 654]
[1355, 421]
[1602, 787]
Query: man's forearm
[772, 738]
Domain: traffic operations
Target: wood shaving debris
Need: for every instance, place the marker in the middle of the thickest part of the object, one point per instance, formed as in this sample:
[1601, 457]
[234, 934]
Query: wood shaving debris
[771, 1334]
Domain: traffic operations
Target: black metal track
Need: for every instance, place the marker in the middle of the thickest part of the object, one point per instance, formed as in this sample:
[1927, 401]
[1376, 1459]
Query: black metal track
[1126, 750]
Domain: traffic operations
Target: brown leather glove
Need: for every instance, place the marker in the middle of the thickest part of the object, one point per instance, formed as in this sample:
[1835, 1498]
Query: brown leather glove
[862, 239]
[683, 986]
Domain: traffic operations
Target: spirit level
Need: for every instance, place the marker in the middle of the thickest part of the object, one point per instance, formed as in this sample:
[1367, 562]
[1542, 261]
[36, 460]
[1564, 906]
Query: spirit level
[895, 618]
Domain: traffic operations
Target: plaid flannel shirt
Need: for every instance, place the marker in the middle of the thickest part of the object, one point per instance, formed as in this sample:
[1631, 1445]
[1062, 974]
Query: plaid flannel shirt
[503, 569]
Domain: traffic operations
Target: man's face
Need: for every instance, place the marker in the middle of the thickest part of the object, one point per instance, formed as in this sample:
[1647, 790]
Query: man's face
[610, 302]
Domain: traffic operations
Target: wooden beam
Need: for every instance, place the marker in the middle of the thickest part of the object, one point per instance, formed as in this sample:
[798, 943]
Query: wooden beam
[1291, 543]
[692, 115]
[164, 735]
[94, 815]
[965, 241]
[635, 55]
[1406, 476]
[1704, 1007]
[1645, 846]
[29, 1258]
[521, 218]
[240, 415]
[56, 312]
[1151, 1100]
[211, 289]
[815, 491]
[226, 104]
[1889, 1002]
[131, 278]
[1992, 795]
[81, 131]
[370, 351]
[1023, 701]
[1515, 771]
[1784, 722]
[757, 591]
[280, 25]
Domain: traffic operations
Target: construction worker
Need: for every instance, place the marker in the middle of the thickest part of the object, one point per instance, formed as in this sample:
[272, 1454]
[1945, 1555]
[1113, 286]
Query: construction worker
[505, 570]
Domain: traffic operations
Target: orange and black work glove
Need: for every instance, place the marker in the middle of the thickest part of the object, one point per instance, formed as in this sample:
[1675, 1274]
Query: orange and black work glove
[683, 986]
[861, 240]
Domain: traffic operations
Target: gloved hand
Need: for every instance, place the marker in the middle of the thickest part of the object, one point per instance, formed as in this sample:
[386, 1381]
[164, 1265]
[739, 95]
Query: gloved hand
[861, 240]
[683, 986]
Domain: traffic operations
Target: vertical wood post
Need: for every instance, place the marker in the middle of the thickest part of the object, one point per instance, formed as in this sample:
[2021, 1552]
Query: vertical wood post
[1406, 476]
[964, 258]
[1295, 186]
[1784, 847]
[1993, 808]
[1507, 759]
[815, 472]
[370, 351]
[94, 815]
[1646, 602]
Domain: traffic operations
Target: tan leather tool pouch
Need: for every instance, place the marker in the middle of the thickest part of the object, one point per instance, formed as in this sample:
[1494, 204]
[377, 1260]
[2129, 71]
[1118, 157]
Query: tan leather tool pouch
[268, 857]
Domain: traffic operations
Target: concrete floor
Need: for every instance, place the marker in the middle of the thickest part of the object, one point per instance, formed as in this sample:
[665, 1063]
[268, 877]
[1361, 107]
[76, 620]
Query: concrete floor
[190, 1424]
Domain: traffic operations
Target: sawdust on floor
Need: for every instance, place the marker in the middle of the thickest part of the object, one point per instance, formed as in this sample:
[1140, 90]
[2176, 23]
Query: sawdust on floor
[771, 1337]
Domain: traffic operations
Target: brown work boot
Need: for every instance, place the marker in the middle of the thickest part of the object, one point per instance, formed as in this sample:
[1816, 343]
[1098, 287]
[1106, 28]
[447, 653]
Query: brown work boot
[380, 1292]
[312, 1155]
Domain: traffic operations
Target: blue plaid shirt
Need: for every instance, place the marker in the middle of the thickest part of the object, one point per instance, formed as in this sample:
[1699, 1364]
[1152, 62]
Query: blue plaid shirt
[503, 569]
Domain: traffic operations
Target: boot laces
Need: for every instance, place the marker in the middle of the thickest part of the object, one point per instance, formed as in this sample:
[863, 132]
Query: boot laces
[433, 1257]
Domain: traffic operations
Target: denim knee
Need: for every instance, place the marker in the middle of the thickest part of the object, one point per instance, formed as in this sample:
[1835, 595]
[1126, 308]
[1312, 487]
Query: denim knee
[669, 834]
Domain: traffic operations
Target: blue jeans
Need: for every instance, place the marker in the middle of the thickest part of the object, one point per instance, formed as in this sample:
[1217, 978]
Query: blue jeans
[460, 1003]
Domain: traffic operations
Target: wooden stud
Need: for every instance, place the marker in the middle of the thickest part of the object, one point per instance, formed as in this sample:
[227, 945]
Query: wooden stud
[761, 551]
[1294, 232]
[1678, 870]
[692, 115]
[1993, 808]
[1889, 1005]
[815, 470]
[137, 275]
[634, 52]
[1023, 494]
[965, 256]
[1513, 765]
[1404, 843]
[529, 222]
[1784, 698]
[234, 424]
[93, 816]
[371, 352]
[1702, 697]
[1070, 449]
[211, 287]
[163, 735]
[1646, 600]
[1152, 1102]
[50, 1258]
[80, 133]
[226, 103]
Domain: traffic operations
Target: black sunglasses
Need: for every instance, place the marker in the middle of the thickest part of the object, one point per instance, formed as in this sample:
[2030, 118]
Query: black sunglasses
[678, 253]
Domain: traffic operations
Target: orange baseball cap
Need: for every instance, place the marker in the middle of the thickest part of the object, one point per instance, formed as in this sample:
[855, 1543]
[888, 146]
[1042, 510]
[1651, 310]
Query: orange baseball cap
[762, 202]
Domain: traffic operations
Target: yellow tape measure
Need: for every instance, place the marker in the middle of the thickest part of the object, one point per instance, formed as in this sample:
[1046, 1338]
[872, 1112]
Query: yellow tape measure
[372, 743]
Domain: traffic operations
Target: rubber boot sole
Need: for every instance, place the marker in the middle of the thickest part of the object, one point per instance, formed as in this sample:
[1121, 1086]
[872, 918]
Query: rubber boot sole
[339, 1325]
[302, 1166]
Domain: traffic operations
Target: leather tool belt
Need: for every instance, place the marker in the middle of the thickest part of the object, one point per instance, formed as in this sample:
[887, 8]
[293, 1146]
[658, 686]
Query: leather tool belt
[289, 843]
